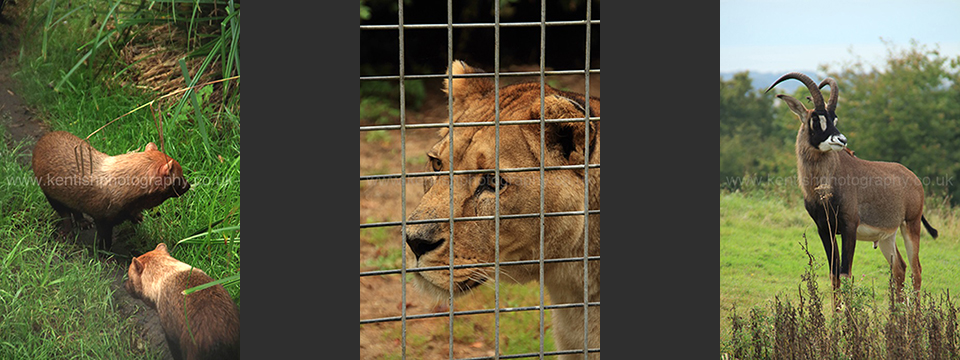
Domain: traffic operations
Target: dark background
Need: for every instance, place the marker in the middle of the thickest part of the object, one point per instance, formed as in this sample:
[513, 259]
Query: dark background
[426, 49]
[299, 161]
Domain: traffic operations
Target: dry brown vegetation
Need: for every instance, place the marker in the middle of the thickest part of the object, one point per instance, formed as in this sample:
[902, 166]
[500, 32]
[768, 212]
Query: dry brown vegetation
[910, 326]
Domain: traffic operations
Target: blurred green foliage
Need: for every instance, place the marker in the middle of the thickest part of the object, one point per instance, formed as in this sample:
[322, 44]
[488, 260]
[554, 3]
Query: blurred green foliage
[752, 142]
[906, 110]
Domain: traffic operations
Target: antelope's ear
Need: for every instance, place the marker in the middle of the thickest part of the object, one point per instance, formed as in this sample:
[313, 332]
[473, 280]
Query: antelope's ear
[795, 105]
[466, 86]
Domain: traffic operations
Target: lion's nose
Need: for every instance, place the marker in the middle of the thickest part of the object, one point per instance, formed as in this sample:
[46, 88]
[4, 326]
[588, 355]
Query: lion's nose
[421, 246]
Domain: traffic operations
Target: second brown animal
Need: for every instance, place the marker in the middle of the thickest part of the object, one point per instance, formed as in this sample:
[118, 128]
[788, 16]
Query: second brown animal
[213, 331]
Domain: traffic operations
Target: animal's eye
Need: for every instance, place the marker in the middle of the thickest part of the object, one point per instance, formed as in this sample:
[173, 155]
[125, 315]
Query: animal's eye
[489, 182]
[436, 163]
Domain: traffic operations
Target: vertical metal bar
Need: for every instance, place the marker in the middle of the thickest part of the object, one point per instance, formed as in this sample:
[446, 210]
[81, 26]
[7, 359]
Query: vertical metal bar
[450, 134]
[543, 156]
[586, 182]
[403, 195]
[496, 171]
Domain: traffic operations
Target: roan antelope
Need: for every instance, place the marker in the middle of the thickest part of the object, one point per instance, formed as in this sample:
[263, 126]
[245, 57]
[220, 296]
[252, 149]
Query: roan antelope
[858, 199]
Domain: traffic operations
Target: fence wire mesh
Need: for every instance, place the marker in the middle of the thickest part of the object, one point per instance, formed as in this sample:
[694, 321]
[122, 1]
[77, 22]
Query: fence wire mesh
[384, 252]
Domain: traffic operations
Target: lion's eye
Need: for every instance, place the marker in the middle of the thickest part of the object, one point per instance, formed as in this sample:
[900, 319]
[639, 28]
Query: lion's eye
[489, 182]
[436, 163]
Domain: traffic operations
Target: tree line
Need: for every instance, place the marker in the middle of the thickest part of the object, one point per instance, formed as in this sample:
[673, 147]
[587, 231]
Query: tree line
[907, 110]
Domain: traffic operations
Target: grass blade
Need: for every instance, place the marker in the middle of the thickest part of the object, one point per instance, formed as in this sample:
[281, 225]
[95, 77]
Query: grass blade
[98, 40]
[46, 29]
[227, 280]
[195, 239]
[201, 120]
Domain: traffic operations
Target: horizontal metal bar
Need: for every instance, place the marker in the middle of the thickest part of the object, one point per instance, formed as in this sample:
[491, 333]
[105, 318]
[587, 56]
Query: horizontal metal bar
[477, 218]
[502, 74]
[477, 312]
[480, 265]
[479, 25]
[472, 124]
[532, 355]
[481, 171]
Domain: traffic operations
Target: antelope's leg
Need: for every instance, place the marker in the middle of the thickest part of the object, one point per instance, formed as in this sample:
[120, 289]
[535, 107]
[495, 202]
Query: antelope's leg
[911, 241]
[830, 247]
[848, 231]
[888, 245]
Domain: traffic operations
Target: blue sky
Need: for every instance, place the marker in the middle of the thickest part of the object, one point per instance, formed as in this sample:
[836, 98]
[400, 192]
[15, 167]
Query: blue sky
[778, 35]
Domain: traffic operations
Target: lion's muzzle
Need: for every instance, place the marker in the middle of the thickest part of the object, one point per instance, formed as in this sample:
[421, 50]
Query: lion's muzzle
[423, 239]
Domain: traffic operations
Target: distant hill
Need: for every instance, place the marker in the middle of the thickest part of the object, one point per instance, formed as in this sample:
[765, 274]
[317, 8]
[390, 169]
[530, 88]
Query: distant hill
[762, 80]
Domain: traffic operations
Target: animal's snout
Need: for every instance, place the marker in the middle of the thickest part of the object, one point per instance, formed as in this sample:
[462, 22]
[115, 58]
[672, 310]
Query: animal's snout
[420, 245]
[181, 185]
[841, 139]
[423, 238]
[834, 143]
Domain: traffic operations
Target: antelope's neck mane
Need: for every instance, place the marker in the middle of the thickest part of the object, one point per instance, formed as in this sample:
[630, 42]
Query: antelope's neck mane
[814, 167]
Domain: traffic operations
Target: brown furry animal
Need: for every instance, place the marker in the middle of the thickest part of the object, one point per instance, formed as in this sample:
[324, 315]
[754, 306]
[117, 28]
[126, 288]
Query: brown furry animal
[159, 279]
[857, 199]
[77, 179]
[475, 195]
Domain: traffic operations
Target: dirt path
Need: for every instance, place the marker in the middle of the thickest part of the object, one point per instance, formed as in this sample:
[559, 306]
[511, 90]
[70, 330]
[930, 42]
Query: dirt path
[22, 126]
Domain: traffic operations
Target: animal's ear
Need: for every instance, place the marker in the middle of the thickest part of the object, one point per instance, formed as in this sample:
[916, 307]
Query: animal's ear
[795, 105]
[161, 247]
[465, 86]
[566, 137]
[166, 168]
[137, 266]
[150, 146]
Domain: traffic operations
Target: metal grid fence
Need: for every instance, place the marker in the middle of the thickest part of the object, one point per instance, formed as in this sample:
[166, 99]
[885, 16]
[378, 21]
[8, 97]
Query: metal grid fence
[497, 308]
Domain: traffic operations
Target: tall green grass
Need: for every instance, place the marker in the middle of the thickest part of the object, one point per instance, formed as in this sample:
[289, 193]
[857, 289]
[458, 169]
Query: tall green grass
[769, 285]
[71, 71]
[55, 299]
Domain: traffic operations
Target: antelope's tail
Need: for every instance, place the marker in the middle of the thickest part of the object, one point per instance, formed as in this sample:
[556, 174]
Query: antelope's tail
[930, 229]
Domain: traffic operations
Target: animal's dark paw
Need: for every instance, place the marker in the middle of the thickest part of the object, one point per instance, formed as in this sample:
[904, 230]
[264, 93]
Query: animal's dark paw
[82, 224]
[136, 218]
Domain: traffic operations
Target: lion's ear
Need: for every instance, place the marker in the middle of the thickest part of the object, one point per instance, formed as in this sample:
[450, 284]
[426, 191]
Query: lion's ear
[567, 137]
[466, 86]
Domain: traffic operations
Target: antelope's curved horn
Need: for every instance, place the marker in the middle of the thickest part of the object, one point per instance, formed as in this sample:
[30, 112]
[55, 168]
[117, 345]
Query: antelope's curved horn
[811, 86]
[834, 93]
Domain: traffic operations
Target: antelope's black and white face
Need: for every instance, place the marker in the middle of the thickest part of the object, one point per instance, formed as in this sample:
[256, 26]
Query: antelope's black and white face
[820, 123]
[822, 132]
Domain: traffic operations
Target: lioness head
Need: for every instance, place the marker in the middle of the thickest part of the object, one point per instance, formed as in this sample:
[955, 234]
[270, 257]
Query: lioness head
[474, 194]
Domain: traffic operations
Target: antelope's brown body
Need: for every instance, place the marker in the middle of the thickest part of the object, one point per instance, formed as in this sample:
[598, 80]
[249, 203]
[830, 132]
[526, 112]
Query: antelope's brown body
[858, 199]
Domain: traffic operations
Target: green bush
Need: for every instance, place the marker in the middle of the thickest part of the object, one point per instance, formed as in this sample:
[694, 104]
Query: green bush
[905, 111]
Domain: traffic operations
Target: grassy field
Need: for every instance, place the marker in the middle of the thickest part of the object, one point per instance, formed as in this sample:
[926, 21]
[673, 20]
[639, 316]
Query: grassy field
[56, 300]
[761, 255]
